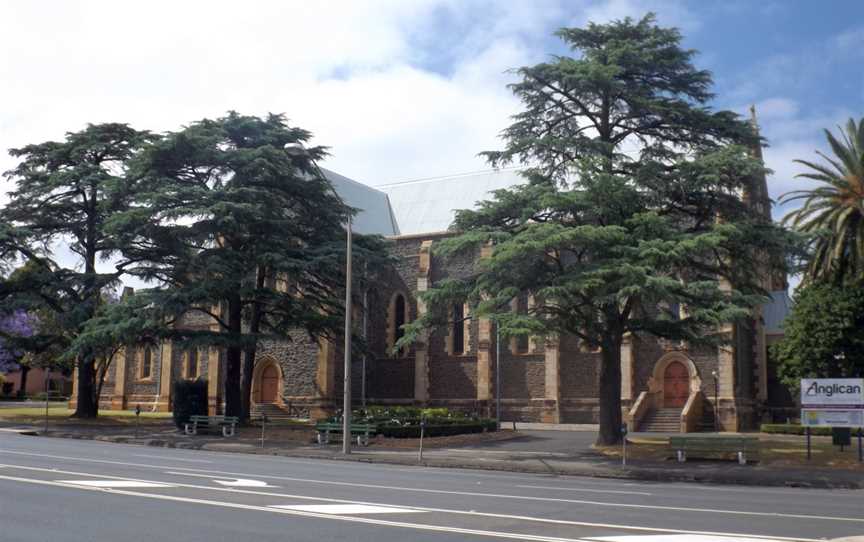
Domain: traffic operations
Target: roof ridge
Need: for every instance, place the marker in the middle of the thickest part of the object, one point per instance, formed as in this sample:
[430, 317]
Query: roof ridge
[452, 176]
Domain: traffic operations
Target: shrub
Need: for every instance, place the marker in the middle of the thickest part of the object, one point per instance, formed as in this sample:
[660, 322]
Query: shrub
[404, 421]
[436, 428]
[794, 429]
[189, 399]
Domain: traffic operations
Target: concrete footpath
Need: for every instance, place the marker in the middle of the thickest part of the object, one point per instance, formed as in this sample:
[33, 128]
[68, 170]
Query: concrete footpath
[539, 452]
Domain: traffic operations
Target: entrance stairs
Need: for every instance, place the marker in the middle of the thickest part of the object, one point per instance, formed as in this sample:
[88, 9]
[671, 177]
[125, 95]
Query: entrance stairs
[662, 420]
[668, 420]
[275, 413]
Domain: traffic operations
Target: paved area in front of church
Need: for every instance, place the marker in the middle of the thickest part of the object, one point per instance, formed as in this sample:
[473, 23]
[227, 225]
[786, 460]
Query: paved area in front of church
[62, 489]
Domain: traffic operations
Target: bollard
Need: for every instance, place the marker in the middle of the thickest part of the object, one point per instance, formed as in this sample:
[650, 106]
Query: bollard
[860, 451]
[263, 425]
[422, 432]
[137, 419]
[624, 445]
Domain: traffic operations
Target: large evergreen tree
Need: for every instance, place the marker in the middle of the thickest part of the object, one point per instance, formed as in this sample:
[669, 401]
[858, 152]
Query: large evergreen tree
[823, 337]
[631, 220]
[65, 192]
[233, 219]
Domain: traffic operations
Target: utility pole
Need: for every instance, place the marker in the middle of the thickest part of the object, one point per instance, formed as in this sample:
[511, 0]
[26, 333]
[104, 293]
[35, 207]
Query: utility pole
[497, 377]
[716, 404]
[346, 402]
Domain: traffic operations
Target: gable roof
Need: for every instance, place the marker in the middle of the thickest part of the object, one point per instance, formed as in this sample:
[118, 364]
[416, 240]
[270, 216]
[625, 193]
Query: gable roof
[776, 311]
[375, 216]
[429, 205]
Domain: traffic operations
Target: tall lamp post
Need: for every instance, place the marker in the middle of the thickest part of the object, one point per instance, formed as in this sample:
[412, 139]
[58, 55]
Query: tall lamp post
[346, 402]
[497, 377]
[716, 404]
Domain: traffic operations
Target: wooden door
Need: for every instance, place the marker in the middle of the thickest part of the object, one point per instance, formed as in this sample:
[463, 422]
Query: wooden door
[676, 385]
[269, 384]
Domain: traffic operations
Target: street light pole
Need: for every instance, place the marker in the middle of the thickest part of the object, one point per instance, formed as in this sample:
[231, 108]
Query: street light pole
[716, 405]
[346, 402]
[497, 377]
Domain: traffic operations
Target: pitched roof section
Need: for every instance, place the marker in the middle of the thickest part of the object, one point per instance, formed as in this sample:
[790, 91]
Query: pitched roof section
[375, 215]
[430, 205]
[775, 312]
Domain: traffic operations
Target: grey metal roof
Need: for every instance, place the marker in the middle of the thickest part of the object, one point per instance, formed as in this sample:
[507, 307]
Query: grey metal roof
[429, 205]
[775, 312]
[375, 215]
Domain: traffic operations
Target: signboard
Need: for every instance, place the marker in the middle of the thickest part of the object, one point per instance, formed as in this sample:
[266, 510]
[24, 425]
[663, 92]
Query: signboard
[832, 402]
[832, 418]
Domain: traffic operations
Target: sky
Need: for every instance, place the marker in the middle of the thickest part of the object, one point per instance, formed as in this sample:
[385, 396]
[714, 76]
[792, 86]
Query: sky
[400, 89]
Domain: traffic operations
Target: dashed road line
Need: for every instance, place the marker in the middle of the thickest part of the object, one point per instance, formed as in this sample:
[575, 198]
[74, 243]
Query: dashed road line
[441, 510]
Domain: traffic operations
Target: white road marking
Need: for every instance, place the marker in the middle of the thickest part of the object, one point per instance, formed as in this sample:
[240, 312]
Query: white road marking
[351, 519]
[581, 489]
[513, 452]
[673, 538]
[238, 482]
[113, 483]
[172, 458]
[348, 509]
[242, 482]
[471, 493]
[442, 510]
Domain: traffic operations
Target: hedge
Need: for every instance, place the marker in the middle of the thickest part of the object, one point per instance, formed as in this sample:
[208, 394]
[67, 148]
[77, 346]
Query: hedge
[794, 429]
[435, 429]
[189, 398]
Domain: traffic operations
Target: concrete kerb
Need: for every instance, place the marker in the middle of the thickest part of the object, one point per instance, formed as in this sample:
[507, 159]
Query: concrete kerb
[726, 475]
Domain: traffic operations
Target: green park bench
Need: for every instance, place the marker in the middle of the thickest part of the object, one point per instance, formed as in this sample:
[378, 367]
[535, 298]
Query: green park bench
[227, 425]
[741, 447]
[361, 430]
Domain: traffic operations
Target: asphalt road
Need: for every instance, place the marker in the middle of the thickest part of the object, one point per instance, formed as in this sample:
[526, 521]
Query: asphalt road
[67, 490]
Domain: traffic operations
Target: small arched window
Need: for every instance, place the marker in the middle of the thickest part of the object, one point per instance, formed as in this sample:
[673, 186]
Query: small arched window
[146, 362]
[192, 363]
[458, 331]
[397, 317]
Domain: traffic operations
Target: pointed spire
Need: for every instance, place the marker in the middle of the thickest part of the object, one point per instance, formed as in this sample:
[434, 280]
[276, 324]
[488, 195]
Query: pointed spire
[754, 123]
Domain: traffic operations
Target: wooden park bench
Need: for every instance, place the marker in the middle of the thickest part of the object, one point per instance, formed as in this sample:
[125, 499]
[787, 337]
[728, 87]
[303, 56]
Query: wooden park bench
[741, 447]
[227, 425]
[361, 430]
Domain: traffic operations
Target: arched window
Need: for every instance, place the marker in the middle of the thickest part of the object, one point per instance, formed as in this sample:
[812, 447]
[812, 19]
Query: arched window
[192, 363]
[522, 344]
[146, 363]
[458, 331]
[397, 316]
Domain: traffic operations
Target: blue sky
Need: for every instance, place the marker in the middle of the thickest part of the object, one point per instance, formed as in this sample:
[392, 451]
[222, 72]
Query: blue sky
[400, 89]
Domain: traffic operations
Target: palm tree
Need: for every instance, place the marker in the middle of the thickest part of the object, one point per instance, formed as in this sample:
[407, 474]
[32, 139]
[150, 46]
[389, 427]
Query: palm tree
[833, 213]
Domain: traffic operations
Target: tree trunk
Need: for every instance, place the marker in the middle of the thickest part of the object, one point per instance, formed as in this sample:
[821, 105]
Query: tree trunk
[233, 358]
[610, 392]
[88, 402]
[22, 390]
[249, 354]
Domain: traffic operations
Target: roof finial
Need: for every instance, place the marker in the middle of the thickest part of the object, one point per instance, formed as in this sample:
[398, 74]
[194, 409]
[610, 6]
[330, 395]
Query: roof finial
[753, 120]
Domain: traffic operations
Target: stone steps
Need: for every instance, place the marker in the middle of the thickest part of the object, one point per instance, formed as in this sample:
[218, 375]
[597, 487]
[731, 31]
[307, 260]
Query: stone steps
[662, 420]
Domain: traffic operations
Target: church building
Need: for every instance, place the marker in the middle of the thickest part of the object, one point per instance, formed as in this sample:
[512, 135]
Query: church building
[666, 386]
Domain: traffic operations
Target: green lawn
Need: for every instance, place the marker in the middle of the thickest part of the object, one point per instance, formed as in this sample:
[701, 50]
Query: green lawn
[774, 450]
[59, 412]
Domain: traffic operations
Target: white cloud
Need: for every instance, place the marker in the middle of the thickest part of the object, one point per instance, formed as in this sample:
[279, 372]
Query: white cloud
[350, 72]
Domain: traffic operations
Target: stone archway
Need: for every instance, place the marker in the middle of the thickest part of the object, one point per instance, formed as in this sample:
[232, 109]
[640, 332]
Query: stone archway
[675, 377]
[267, 383]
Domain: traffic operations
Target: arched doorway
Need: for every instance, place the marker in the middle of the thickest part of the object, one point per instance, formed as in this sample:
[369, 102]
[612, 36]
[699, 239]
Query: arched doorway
[676, 385]
[269, 384]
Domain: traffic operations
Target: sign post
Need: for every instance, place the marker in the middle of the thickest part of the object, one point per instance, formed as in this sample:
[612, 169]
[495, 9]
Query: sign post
[833, 402]
[623, 444]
